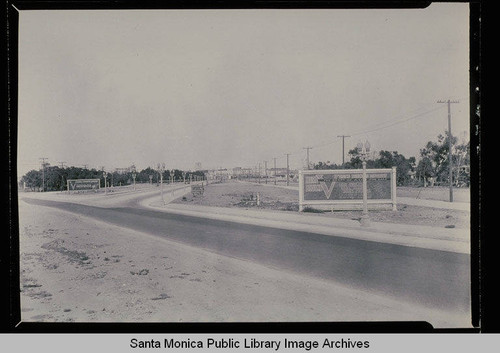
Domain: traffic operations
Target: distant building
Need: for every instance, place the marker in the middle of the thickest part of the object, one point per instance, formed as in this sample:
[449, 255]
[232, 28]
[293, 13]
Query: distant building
[218, 174]
[125, 170]
[242, 172]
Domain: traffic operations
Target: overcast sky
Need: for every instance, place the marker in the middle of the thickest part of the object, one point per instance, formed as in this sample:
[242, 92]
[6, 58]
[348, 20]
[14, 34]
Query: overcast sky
[234, 88]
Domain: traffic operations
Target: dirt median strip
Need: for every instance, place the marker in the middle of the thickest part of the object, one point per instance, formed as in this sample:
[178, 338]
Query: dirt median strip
[243, 196]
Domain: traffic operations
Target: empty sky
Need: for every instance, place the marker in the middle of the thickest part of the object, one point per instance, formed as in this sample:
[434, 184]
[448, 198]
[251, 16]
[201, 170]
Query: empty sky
[236, 87]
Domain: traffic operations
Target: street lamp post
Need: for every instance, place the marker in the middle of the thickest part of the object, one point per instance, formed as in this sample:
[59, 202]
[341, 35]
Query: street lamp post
[364, 149]
[133, 176]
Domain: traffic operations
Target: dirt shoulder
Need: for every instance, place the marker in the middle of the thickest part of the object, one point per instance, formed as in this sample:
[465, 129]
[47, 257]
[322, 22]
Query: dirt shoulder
[244, 195]
[77, 269]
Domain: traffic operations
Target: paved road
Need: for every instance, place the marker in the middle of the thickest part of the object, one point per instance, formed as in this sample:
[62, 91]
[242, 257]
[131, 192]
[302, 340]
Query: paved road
[429, 277]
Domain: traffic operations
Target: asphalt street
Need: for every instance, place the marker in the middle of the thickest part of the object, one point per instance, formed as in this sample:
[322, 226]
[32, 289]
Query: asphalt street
[429, 277]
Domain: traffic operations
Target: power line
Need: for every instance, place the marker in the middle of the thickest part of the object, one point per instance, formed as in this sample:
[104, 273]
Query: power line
[326, 143]
[397, 122]
[377, 127]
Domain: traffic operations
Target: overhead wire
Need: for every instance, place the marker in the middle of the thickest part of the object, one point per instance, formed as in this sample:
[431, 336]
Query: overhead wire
[376, 127]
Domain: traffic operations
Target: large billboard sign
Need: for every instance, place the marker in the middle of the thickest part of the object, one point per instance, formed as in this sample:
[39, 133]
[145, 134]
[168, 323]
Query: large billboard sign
[343, 189]
[83, 184]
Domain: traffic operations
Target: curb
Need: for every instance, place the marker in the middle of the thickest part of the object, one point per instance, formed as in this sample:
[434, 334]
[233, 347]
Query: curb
[447, 240]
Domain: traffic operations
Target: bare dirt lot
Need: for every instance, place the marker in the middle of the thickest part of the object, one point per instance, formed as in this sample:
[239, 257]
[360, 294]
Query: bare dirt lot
[244, 195]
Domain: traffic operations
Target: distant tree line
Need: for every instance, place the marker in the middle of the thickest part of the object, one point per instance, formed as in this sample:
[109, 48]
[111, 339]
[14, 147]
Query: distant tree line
[431, 169]
[54, 178]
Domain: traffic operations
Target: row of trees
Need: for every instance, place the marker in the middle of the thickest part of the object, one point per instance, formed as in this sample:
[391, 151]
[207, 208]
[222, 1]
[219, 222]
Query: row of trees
[54, 178]
[434, 164]
[432, 167]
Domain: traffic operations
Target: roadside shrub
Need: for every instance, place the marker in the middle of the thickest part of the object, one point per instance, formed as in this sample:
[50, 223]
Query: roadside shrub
[313, 210]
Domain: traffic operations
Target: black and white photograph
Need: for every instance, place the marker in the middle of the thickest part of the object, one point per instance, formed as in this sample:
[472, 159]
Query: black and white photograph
[255, 165]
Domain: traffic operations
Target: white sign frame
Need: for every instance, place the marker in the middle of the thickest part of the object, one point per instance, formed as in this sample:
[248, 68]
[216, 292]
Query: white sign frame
[352, 203]
[98, 181]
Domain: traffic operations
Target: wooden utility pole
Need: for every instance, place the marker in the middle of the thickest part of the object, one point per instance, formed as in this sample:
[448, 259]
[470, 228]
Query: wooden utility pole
[62, 176]
[287, 170]
[265, 170]
[450, 160]
[307, 148]
[43, 172]
[343, 153]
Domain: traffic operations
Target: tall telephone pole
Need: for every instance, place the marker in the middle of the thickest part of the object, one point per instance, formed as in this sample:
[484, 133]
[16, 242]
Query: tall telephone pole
[287, 170]
[343, 153]
[450, 161]
[307, 148]
[43, 172]
[62, 176]
[265, 170]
